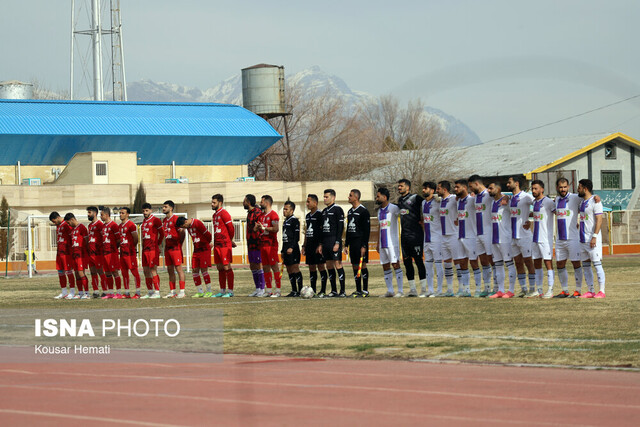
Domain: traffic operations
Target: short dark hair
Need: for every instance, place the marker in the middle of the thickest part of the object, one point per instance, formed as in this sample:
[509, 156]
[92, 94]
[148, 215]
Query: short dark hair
[330, 191]
[429, 184]
[68, 216]
[539, 182]
[497, 184]
[53, 215]
[94, 209]
[519, 179]
[313, 197]
[404, 181]
[218, 197]
[126, 208]
[587, 183]
[268, 198]
[180, 221]
[475, 178]
[561, 179]
[357, 193]
[385, 192]
[446, 185]
[106, 210]
[462, 182]
[290, 204]
[170, 204]
[251, 199]
[146, 206]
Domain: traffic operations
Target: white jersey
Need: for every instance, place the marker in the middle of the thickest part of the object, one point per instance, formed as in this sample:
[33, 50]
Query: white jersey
[482, 204]
[388, 221]
[567, 210]
[466, 218]
[520, 206]
[589, 209]
[543, 220]
[448, 216]
[500, 222]
[431, 220]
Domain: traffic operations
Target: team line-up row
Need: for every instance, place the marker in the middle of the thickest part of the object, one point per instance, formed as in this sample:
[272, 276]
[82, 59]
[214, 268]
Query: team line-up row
[474, 226]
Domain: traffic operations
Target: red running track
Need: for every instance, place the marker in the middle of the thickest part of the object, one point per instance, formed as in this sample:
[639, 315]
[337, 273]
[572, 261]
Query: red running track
[275, 391]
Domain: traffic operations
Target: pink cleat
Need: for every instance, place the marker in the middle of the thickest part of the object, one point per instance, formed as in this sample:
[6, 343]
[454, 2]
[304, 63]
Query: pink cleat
[107, 296]
[497, 295]
[508, 294]
[588, 295]
[119, 296]
[600, 295]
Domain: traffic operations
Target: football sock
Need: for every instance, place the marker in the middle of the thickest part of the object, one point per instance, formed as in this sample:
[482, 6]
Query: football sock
[412, 285]
[550, 280]
[388, 280]
[62, 278]
[267, 278]
[71, 279]
[532, 282]
[172, 286]
[110, 282]
[313, 279]
[365, 279]
[578, 274]
[477, 277]
[600, 274]
[103, 282]
[358, 280]
[136, 276]
[292, 281]
[499, 269]
[278, 280]
[588, 275]
[466, 281]
[428, 264]
[399, 276]
[511, 268]
[230, 279]
[299, 281]
[118, 282]
[332, 280]
[539, 279]
[448, 274]
[341, 279]
[206, 278]
[149, 282]
[196, 279]
[439, 274]
[182, 285]
[323, 280]
[156, 283]
[486, 277]
[563, 275]
[522, 281]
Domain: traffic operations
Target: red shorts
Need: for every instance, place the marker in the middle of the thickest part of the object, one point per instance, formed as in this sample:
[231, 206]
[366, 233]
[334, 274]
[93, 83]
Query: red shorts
[80, 263]
[64, 262]
[173, 256]
[128, 262]
[96, 261]
[150, 258]
[111, 262]
[222, 255]
[269, 255]
[201, 259]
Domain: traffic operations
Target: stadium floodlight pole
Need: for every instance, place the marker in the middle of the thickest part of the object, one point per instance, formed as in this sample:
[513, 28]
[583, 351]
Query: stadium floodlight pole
[6, 262]
[73, 6]
[29, 246]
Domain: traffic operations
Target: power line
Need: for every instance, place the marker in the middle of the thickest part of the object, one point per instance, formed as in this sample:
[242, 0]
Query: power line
[565, 119]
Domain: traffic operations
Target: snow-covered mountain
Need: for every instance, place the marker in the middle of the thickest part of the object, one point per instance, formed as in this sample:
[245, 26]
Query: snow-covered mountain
[313, 79]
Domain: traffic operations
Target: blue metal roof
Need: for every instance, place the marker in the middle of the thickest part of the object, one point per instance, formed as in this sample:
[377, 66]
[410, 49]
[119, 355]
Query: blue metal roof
[51, 132]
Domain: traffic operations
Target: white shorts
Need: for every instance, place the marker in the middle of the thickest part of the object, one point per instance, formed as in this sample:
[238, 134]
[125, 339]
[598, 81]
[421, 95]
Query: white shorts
[568, 249]
[589, 253]
[484, 244]
[521, 246]
[433, 251]
[468, 249]
[542, 250]
[389, 255]
[501, 251]
[450, 248]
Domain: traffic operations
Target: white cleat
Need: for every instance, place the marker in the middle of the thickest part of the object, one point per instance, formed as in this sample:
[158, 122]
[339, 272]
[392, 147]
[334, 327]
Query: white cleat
[85, 296]
[532, 294]
[260, 293]
[156, 295]
[254, 293]
[426, 295]
[181, 295]
[60, 296]
[548, 295]
[388, 295]
[399, 295]
[170, 295]
[147, 296]
[275, 295]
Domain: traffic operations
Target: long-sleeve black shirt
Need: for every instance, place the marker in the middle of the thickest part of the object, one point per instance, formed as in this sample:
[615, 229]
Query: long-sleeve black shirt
[358, 227]
[410, 217]
[332, 224]
[290, 233]
[314, 231]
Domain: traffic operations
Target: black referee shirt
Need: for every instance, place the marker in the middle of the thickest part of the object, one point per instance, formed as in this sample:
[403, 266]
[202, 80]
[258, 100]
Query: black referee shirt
[290, 233]
[358, 226]
[332, 224]
[410, 217]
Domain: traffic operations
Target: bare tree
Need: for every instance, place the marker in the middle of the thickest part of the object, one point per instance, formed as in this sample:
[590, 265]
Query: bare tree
[40, 91]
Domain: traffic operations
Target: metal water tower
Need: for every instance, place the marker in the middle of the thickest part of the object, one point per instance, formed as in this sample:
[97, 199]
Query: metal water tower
[13, 89]
[263, 93]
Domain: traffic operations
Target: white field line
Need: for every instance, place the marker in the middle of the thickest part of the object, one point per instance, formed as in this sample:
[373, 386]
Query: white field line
[534, 365]
[81, 417]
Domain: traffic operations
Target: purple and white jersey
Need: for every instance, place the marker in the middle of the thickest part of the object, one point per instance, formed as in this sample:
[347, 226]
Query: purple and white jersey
[520, 206]
[431, 220]
[543, 220]
[567, 209]
[388, 221]
[500, 222]
[448, 216]
[588, 211]
[483, 212]
[466, 218]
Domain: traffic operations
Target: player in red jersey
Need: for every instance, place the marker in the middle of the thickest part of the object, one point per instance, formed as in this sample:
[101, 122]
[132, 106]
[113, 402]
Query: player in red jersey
[94, 247]
[201, 259]
[129, 252]
[152, 235]
[223, 232]
[110, 243]
[269, 245]
[173, 238]
[79, 254]
[63, 256]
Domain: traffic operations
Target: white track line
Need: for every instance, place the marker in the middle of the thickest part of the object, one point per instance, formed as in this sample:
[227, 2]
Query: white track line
[431, 335]
[81, 417]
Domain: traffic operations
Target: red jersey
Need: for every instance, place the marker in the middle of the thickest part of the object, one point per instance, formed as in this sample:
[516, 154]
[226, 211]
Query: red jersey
[63, 238]
[200, 236]
[79, 245]
[253, 237]
[110, 237]
[171, 234]
[126, 234]
[223, 229]
[95, 238]
[152, 234]
[269, 238]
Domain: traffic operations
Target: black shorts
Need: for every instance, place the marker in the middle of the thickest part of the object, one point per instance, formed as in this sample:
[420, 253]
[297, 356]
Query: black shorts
[329, 254]
[291, 259]
[312, 257]
[354, 253]
[411, 249]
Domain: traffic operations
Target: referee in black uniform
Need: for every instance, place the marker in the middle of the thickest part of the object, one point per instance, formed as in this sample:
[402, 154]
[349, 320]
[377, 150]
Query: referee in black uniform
[290, 248]
[411, 235]
[357, 242]
[313, 239]
[331, 248]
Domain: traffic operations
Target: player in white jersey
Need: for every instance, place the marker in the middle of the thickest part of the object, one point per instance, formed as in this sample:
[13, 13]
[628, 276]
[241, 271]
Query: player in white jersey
[590, 238]
[388, 245]
[449, 230]
[521, 236]
[467, 237]
[543, 209]
[483, 204]
[432, 237]
[501, 240]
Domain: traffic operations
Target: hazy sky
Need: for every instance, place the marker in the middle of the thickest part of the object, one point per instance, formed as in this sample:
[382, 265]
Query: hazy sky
[499, 66]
